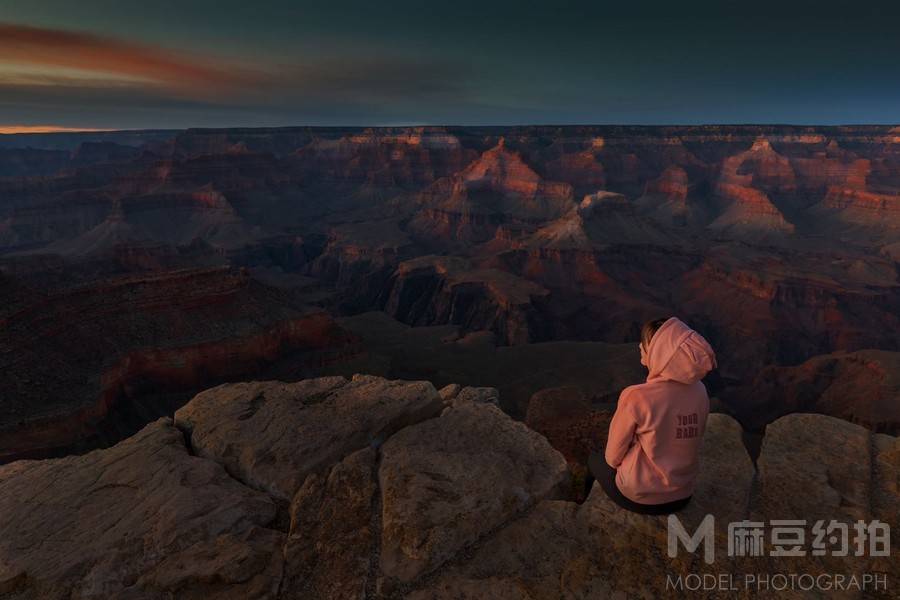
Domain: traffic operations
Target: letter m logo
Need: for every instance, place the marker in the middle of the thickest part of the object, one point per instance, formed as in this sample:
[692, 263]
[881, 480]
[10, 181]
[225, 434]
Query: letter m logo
[705, 533]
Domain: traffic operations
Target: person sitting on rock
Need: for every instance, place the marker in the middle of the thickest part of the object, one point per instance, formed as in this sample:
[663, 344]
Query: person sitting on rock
[651, 457]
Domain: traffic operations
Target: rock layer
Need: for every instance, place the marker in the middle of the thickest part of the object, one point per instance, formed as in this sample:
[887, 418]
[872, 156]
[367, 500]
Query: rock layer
[87, 363]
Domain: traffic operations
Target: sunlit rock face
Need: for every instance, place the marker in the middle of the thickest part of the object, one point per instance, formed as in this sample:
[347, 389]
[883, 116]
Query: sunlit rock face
[497, 188]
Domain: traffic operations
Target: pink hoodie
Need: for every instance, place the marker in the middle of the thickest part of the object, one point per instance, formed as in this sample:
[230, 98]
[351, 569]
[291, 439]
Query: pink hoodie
[655, 435]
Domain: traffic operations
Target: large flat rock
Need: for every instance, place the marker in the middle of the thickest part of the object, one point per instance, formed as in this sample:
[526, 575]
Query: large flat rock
[272, 435]
[447, 482]
[597, 550]
[142, 519]
[814, 468]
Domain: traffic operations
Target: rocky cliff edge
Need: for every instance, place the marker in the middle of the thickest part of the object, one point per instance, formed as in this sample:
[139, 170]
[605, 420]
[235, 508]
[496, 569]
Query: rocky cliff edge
[370, 488]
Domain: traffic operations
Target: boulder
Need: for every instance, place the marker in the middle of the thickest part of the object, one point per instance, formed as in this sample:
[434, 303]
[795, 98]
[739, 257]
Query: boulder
[812, 467]
[139, 520]
[454, 394]
[598, 550]
[329, 548]
[447, 482]
[272, 435]
[815, 468]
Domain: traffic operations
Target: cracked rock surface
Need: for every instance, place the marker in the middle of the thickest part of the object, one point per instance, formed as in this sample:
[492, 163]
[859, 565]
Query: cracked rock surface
[370, 488]
[448, 481]
[139, 520]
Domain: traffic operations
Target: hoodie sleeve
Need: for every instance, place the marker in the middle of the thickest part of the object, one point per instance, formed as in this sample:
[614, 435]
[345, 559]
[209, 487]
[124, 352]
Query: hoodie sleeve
[621, 432]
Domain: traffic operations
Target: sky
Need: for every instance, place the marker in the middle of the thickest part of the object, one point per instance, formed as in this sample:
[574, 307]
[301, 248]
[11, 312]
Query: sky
[130, 64]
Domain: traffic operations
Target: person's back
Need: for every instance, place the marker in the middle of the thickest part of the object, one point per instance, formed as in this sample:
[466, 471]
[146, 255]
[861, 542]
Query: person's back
[655, 435]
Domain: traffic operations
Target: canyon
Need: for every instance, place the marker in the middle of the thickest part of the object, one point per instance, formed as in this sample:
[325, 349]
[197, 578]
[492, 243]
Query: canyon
[139, 268]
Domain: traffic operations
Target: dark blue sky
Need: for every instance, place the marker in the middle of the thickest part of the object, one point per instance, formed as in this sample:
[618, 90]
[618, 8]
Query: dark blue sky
[136, 64]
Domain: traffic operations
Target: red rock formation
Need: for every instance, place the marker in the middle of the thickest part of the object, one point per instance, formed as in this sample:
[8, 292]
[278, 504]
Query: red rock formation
[749, 210]
[178, 218]
[433, 289]
[504, 172]
[861, 387]
[760, 166]
[860, 207]
[408, 158]
[162, 336]
[793, 303]
[819, 173]
[582, 170]
[573, 270]
[672, 184]
[744, 184]
[497, 188]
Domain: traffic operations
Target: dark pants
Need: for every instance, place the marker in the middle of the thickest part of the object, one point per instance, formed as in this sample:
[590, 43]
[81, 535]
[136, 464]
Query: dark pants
[606, 477]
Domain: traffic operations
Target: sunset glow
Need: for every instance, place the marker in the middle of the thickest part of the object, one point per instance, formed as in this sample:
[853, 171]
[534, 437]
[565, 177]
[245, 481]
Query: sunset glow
[8, 129]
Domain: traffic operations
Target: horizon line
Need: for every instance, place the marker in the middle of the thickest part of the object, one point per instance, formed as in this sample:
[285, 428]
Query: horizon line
[53, 129]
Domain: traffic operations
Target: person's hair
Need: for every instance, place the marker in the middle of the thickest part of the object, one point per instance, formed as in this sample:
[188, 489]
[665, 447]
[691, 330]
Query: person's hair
[649, 329]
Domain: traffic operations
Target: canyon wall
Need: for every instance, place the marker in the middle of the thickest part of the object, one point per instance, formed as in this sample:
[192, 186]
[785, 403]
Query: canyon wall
[779, 243]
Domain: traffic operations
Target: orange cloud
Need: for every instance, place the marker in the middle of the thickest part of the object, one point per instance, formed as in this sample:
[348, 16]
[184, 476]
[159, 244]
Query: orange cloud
[42, 48]
[6, 129]
[74, 78]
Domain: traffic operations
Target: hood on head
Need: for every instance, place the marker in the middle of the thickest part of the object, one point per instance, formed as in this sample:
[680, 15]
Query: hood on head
[678, 353]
